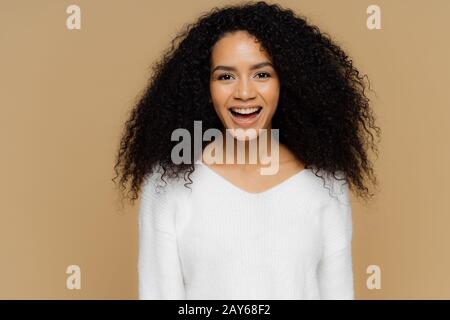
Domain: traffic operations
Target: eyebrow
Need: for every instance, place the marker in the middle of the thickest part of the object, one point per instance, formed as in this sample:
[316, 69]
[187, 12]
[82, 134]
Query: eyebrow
[253, 67]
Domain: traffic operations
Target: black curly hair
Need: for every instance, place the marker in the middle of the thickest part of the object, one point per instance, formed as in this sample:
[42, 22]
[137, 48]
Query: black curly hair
[323, 113]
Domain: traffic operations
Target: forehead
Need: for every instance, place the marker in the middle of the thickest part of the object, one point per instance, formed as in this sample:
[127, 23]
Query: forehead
[238, 47]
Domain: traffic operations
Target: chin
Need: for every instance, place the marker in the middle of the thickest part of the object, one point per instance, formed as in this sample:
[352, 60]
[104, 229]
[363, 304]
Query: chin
[244, 134]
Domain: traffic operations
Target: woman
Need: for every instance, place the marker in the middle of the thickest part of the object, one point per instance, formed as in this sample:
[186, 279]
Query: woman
[224, 230]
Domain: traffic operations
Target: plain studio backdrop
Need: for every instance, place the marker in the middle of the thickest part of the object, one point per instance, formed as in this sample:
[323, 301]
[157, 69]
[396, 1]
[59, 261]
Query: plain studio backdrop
[65, 95]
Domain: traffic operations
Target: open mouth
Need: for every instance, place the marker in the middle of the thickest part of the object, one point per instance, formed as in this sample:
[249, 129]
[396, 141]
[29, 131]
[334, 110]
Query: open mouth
[245, 115]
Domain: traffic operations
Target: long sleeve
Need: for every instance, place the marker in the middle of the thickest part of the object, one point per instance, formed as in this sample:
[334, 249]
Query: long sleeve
[159, 269]
[335, 271]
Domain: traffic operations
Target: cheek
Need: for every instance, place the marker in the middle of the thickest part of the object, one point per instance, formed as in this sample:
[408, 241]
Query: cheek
[221, 93]
[220, 96]
[271, 93]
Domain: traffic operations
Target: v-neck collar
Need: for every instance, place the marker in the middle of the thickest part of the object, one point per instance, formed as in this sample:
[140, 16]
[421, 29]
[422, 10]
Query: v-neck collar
[270, 190]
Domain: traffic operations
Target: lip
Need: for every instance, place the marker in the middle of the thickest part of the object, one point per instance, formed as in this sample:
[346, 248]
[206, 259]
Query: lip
[245, 122]
[245, 106]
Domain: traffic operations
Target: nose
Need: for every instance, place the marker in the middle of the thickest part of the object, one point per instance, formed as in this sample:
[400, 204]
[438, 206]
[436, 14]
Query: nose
[244, 90]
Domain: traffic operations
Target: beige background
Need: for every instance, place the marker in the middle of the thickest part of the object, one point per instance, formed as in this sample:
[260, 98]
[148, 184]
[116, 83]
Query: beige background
[65, 96]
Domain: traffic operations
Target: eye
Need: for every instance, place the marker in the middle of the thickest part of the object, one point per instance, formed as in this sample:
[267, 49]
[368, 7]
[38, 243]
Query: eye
[223, 75]
[264, 73]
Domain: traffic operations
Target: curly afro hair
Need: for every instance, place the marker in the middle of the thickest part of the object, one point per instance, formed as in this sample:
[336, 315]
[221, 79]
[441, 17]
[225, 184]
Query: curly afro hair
[323, 113]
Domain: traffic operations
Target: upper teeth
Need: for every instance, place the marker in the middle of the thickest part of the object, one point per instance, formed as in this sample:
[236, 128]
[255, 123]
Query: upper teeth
[245, 110]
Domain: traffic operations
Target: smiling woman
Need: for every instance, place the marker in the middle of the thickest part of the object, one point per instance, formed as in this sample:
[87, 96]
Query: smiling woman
[225, 231]
[244, 84]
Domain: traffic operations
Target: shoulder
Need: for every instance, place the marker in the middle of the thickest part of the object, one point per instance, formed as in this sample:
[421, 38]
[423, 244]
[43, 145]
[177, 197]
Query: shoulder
[324, 188]
[160, 197]
[333, 208]
[328, 196]
[157, 185]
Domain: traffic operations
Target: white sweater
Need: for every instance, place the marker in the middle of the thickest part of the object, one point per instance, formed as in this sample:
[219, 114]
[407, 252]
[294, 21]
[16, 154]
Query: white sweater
[217, 241]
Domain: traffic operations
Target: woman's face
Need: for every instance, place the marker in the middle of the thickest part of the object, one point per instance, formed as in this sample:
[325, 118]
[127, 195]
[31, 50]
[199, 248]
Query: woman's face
[244, 86]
